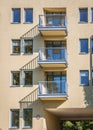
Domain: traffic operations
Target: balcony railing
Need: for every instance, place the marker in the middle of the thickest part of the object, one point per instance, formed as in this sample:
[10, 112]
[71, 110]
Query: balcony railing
[53, 54]
[52, 20]
[53, 88]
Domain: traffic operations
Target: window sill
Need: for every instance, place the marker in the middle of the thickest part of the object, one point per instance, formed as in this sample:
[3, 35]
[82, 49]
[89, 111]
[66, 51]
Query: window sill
[27, 53]
[14, 128]
[14, 86]
[83, 53]
[82, 85]
[83, 22]
[14, 54]
[15, 22]
[27, 85]
[28, 23]
[26, 127]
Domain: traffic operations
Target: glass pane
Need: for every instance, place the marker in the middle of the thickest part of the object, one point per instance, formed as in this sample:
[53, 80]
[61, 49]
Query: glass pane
[28, 78]
[29, 15]
[83, 15]
[92, 14]
[49, 54]
[16, 78]
[56, 85]
[16, 15]
[28, 47]
[84, 45]
[28, 117]
[16, 49]
[84, 78]
[15, 118]
[92, 46]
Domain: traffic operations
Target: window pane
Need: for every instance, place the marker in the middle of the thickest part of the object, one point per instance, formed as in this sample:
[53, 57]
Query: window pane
[84, 45]
[83, 15]
[16, 46]
[29, 15]
[16, 78]
[92, 14]
[92, 77]
[16, 15]
[28, 46]
[28, 78]
[84, 77]
[15, 118]
[92, 46]
[28, 117]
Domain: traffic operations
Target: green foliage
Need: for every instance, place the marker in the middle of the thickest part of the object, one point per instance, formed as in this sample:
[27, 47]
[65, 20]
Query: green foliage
[77, 125]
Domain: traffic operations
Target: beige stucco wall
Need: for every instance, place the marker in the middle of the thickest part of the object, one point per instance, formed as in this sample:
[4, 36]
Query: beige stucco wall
[78, 96]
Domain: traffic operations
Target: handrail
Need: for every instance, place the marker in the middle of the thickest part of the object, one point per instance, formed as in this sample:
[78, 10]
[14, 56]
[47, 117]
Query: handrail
[31, 64]
[52, 15]
[31, 97]
[31, 33]
[52, 87]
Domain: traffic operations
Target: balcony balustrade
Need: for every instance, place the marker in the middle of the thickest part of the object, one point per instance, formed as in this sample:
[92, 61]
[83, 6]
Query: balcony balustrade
[53, 24]
[53, 57]
[52, 90]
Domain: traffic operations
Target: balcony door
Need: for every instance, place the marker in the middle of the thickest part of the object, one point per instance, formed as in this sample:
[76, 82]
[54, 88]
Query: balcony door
[54, 18]
[56, 82]
[54, 50]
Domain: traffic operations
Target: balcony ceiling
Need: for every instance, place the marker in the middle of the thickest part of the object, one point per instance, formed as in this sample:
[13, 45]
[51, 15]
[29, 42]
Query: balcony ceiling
[53, 32]
[72, 113]
[55, 9]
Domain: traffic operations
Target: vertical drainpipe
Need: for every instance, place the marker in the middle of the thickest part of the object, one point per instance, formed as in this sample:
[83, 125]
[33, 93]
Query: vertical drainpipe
[91, 60]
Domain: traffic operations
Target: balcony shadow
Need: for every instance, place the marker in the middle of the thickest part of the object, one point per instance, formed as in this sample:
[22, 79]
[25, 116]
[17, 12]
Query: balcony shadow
[88, 95]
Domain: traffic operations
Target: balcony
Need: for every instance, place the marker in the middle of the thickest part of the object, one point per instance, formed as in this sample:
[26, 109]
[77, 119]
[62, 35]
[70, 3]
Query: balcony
[53, 90]
[53, 25]
[53, 57]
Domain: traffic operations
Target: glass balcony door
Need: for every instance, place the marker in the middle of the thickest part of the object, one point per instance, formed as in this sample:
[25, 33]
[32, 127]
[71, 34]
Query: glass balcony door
[56, 83]
[54, 51]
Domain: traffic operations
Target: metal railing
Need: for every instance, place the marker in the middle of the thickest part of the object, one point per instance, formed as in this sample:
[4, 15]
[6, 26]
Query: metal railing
[52, 20]
[52, 88]
[33, 32]
[53, 54]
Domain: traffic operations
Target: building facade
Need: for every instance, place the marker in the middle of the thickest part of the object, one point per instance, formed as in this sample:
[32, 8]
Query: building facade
[46, 63]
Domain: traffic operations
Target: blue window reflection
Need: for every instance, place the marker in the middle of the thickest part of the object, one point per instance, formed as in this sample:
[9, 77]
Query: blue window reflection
[84, 77]
[83, 15]
[16, 15]
[28, 15]
[83, 45]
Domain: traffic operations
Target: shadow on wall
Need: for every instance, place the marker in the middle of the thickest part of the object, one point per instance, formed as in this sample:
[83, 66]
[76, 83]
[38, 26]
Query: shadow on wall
[88, 93]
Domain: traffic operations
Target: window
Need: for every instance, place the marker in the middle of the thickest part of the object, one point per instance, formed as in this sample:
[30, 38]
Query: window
[15, 46]
[16, 14]
[84, 77]
[83, 13]
[92, 77]
[91, 14]
[27, 116]
[28, 78]
[15, 78]
[14, 118]
[91, 46]
[83, 45]
[28, 15]
[28, 46]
